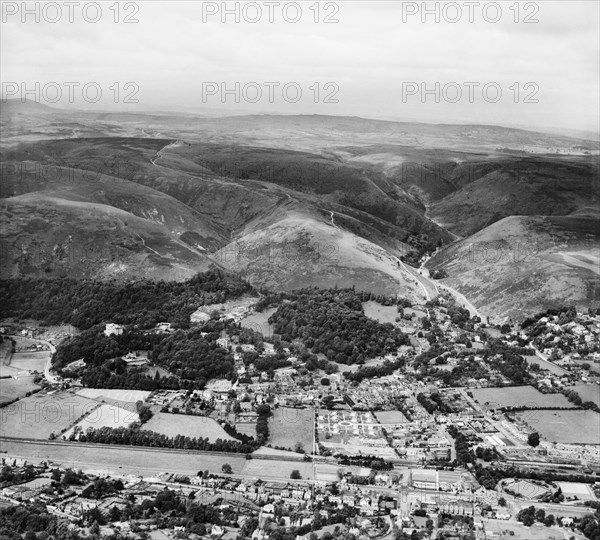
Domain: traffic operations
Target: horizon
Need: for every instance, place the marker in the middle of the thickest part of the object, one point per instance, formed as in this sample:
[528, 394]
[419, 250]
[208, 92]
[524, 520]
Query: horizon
[528, 65]
[211, 113]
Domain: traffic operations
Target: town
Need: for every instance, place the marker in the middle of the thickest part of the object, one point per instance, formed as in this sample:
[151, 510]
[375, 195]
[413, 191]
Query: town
[455, 429]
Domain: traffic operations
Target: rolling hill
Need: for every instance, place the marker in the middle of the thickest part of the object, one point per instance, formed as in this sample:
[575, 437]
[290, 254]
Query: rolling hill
[292, 201]
[526, 264]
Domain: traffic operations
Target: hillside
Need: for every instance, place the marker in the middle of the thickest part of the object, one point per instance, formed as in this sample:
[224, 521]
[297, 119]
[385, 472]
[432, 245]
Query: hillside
[526, 264]
[300, 200]
[300, 251]
[552, 186]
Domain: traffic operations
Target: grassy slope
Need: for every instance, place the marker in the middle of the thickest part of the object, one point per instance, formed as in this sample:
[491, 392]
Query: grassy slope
[516, 266]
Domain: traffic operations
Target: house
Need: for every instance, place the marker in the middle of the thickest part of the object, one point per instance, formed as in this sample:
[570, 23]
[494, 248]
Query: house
[113, 329]
[223, 342]
[133, 359]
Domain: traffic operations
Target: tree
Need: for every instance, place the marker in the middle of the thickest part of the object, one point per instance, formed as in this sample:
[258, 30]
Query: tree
[226, 468]
[533, 439]
[114, 514]
[502, 501]
[295, 475]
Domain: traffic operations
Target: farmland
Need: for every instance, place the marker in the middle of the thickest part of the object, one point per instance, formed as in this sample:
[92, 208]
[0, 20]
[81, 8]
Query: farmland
[31, 361]
[543, 364]
[588, 392]
[289, 427]
[571, 427]
[518, 396]
[123, 460]
[106, 416]
[200, 427]
[277, 469]
[128, 396]
[41, 414]
[11, 389]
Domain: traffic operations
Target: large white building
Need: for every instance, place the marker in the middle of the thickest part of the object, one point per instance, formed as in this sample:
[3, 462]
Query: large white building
[113, 329]
[425, 479]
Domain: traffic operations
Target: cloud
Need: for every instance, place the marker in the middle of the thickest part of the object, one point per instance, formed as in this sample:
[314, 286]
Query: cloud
[369, 53]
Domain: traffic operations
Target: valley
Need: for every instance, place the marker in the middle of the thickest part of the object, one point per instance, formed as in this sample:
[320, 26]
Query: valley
[288, 202]
[271, 314]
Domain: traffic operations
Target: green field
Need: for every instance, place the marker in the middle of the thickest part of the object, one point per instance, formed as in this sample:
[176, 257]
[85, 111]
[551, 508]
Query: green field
[382, 314]
[288, 427]
[518, 396]
[129, 396]
[172, 425]
[33, 361]
[11, 389]
[106, 416]
[41, 414]
[391, 417]
[571, 427]
[126, 460]
[263, 469]
[588, 392]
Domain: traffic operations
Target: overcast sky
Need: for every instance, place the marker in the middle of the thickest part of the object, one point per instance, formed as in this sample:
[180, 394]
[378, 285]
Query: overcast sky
[374, 51]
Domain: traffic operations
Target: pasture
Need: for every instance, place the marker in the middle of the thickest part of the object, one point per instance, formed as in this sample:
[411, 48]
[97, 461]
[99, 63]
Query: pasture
[106, 416]
[289, 427]
[260, 468]
[588, 392]
[552, 368]
[128, 396]
[11, 389]
[31, 361]
[41, 414]
[571, 427]
[200, 427]
[147, 462]
[382, 314]
[518, 396]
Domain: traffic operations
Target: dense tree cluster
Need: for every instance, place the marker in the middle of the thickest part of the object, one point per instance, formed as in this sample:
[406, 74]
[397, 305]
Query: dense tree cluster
[508, 361]
[9, 476]
[193, 356]
[332, 322]
[262, 424]
[589, 525]
[464, 454]
[373, 462]
[102, 487]
[138, 437]
[566, 314]
[371, 372]
[85, 303]
[17, 521]
[434, 403]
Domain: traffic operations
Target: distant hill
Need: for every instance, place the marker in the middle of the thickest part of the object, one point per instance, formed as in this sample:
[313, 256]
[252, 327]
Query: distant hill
[536, 185]
[11, 107]
[176, 193]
